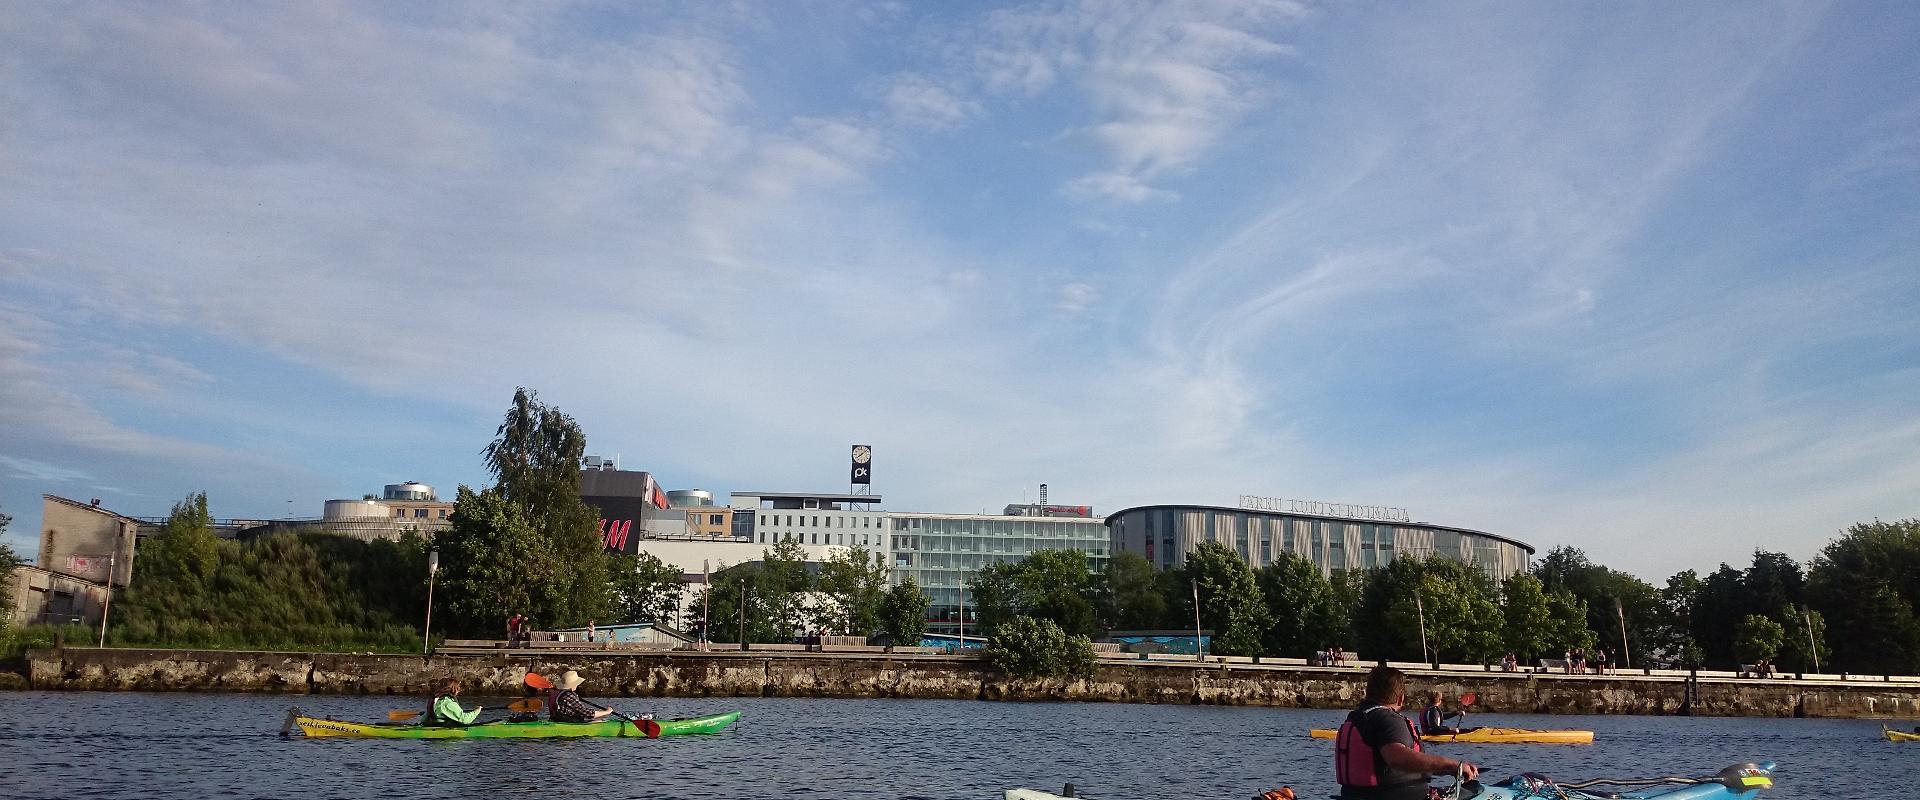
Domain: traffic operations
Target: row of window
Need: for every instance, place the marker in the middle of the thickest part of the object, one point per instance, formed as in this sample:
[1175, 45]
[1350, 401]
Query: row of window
[418, 513]
[816, 537]
[787, 520]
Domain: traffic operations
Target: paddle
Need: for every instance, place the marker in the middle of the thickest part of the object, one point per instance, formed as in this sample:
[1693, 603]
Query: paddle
[1466, 701]
[524, 706]
[645, 726]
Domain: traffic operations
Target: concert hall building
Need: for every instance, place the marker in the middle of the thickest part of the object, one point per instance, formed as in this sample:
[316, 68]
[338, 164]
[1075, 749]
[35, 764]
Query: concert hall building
[1164, 534]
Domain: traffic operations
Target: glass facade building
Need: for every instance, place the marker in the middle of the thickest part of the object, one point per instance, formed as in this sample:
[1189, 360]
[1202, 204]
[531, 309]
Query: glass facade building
[1165, 534]
[941, 552]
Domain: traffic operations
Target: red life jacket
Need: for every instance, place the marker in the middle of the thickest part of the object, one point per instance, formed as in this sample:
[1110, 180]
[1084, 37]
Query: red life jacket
[1356, 763]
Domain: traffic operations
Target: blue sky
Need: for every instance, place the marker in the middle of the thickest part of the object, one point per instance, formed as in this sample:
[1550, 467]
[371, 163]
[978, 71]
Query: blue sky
[1637, 279]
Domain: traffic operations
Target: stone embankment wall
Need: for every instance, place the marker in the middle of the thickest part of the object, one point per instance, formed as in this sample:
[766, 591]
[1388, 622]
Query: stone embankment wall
[752, 674]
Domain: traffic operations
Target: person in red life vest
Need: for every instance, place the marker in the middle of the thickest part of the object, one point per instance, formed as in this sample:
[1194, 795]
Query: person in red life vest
[1377, 755]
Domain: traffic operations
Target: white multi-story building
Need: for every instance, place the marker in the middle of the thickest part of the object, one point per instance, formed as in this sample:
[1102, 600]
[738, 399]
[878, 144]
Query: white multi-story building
[817, 522]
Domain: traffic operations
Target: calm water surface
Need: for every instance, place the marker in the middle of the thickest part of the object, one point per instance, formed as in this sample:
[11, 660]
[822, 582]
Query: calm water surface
[200, 747]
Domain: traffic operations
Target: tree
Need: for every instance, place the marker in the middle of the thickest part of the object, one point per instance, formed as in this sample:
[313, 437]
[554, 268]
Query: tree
[1048, 584]
[1757, 638]
[1230, 602]
[527, 544]
[903, 614]
[1672, 633]
[1774, 580]
[1131, 597]
[1567, 616]
[856, 580]
[733, 600]
[1866, 584]
[1605, 592]
[1805, 646]
[1717, 610]
[1306, 616]
[645, 589]
[185, 549]
[8, 561]
[783, 587]
[1528, 621]
[1461, 618]
[1026, 647]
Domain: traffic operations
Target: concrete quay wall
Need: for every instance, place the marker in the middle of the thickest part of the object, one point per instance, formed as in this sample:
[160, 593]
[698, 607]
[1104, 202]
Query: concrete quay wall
[793, 674]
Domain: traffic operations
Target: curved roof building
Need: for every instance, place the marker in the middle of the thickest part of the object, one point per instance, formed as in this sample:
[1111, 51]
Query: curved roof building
[1166, 533]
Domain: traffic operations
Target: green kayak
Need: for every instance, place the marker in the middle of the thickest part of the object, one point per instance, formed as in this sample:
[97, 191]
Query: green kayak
[538, 729]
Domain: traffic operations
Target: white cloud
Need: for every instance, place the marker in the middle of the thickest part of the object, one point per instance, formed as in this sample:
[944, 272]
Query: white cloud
[1163, 81]
[1075, 297]
[917, 100]
[1114, 186]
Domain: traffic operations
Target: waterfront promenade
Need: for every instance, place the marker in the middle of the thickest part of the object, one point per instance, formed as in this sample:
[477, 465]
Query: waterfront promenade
[1121, 679]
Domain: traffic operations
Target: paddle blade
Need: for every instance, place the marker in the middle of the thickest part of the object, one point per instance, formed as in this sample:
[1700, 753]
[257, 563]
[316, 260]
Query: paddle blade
[527, 705]
[1469, 699]
[402, 716]
[536, 681]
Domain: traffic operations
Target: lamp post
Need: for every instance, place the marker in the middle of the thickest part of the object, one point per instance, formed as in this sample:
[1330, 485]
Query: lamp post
[433, 566]
[1199, 644]
[1421, 607]
[113, 560]
[1813, 647]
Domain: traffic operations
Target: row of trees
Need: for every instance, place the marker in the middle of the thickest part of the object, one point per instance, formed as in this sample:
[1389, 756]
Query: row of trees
[1859, 595]
[527, 544]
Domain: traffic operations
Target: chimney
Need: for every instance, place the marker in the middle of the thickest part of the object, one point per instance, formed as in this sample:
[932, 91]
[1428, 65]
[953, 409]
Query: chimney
[1043, 499]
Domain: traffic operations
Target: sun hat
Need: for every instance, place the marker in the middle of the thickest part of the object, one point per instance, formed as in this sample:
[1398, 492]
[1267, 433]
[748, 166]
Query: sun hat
[570, 680]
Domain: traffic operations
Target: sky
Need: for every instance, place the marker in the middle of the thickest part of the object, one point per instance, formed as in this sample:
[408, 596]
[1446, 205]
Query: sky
[1635, 278]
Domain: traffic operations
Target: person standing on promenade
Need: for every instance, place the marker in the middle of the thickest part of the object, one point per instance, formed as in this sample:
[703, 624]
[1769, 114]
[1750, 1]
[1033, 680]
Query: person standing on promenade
[1377, 755]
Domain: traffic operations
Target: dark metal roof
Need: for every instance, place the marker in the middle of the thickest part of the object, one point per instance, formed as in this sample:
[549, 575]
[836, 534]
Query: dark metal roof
[830, 496]
[1428, 525]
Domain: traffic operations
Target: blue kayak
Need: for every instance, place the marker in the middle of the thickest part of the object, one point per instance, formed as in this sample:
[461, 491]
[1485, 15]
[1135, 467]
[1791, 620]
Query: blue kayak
[1738, 782]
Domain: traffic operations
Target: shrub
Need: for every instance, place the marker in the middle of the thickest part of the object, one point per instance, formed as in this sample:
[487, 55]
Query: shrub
[1025, 647]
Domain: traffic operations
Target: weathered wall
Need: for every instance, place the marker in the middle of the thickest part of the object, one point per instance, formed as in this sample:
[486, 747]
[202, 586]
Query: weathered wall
[683, 674]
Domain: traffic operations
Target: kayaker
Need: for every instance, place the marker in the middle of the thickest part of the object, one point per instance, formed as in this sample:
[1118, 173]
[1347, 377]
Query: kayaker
[445, 711]
[1377, 756]
[1433, 718]
[564, 703]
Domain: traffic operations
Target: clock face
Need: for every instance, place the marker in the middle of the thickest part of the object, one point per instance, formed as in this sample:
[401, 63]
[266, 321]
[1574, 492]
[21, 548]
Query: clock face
[862, 454]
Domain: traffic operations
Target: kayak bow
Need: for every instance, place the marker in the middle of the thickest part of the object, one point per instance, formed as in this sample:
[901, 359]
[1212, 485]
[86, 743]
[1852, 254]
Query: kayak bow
[537, 729]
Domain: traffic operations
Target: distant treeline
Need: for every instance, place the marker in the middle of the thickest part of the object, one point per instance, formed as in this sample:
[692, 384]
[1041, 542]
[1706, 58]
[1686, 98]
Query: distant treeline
[1851, 607]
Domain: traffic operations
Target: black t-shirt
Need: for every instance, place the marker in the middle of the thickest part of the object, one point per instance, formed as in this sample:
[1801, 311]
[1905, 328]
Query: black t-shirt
[1379, 728]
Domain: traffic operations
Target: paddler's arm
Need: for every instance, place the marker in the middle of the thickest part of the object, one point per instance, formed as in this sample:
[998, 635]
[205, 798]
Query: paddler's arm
[1407, 759]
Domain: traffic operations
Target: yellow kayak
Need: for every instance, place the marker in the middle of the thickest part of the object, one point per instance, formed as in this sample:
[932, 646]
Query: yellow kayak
[1899, 736]
[1498, 736]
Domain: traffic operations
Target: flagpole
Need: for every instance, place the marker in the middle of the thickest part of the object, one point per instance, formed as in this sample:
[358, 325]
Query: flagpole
[706, 601]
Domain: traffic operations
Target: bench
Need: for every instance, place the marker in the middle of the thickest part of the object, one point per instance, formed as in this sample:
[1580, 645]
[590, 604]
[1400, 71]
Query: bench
[1553, 665]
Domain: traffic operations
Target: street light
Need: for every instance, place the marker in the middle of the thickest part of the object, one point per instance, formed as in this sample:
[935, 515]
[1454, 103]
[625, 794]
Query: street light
[433, 566]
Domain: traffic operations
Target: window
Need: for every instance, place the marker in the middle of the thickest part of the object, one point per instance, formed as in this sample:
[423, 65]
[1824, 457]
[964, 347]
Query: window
[399, 512]
[763, 519]
[763, 537]
[443, 513]
[419, 513]
[714, 519]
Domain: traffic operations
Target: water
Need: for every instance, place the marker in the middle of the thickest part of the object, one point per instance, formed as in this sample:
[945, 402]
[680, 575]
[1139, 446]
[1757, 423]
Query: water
[203, 747]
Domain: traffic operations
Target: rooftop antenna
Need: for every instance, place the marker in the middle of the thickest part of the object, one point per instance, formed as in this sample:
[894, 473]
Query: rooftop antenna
[1043, 499]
